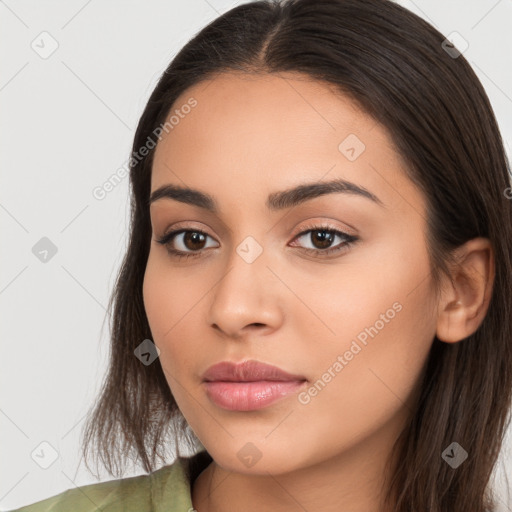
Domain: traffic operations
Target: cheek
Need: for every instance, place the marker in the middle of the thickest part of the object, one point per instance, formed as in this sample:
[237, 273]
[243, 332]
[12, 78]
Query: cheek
[162, 304]
[373, 381]
[156, 296]
[168, 296]
[170, 299]
[379, 287]
[383, 330]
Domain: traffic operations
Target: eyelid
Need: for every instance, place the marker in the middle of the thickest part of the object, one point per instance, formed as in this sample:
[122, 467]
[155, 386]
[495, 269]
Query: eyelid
[314, 223]
[317, 223]
[188, 226]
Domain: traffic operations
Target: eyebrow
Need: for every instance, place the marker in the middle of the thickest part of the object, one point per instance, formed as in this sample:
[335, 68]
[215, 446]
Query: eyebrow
[276, 201]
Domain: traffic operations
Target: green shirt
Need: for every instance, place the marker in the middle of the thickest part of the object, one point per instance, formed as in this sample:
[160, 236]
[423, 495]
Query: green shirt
[167, 489]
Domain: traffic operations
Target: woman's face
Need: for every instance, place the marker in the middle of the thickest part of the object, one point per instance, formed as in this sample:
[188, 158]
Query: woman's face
[355, 320]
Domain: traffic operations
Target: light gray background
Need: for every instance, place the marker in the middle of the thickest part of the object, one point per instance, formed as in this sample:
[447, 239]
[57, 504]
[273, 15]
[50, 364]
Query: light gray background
[67, 125]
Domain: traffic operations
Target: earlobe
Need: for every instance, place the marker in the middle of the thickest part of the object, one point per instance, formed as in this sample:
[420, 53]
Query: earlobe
[464, 301]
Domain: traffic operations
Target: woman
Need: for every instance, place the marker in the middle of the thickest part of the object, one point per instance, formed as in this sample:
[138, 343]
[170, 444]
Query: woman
[317, 288]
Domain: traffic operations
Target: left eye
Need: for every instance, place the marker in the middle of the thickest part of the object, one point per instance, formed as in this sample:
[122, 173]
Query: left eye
[322, 239]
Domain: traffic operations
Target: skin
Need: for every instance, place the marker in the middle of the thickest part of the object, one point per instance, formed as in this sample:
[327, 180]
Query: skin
[247, 137]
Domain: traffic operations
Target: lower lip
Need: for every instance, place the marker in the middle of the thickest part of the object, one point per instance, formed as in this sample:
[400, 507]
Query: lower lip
[249, 396]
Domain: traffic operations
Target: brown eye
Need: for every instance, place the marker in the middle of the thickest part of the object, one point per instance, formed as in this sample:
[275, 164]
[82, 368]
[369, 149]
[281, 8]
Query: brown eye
[194, 240]
[322, 238]
[185, 242]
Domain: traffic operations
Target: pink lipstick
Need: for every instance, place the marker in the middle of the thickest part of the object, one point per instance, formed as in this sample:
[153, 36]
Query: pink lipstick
[249, 385]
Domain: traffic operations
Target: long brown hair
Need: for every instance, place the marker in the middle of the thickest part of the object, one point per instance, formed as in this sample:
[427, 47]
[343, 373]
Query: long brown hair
[394, 65]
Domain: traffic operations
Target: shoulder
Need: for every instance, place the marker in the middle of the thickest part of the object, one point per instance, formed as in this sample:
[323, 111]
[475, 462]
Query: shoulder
[167, 488]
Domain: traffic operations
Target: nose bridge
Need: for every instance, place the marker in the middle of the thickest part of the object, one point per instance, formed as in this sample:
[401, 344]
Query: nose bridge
[249, 242]
[246, 292]
[246, 267]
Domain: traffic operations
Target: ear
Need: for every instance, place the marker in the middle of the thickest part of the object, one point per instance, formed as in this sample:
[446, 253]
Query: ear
[464, 302]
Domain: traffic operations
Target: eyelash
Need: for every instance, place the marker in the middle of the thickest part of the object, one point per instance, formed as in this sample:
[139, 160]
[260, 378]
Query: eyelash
[349, 241]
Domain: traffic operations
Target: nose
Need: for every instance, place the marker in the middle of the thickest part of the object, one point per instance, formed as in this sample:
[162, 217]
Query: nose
[247, 297]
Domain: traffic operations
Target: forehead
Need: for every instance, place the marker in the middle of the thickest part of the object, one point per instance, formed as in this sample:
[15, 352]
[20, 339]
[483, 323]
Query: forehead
[267, 132]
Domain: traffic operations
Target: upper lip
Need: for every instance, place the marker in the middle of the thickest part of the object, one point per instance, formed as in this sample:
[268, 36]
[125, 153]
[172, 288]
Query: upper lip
[247, 371]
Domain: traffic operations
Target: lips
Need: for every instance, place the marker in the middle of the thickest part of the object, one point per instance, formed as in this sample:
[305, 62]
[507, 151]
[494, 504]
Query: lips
[250, 385]
[248, 371]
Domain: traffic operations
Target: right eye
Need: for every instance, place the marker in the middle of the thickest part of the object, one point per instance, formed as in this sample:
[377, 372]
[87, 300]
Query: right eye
[190, 241]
